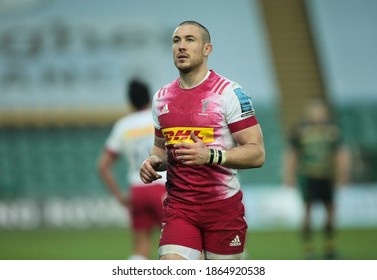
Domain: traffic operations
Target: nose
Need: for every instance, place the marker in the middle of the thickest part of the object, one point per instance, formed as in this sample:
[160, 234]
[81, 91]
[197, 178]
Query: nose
[182, 45]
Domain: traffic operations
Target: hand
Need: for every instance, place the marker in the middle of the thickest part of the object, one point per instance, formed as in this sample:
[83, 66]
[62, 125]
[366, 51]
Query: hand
[148, 168]
[192, 153]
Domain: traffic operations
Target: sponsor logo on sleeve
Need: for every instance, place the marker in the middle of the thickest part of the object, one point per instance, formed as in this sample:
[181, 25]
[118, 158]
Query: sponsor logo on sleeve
[245, 102]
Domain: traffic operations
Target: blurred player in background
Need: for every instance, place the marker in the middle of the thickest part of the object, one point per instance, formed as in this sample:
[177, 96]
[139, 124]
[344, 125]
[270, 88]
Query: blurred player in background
[205, 129]
[319, 162]
[132, 137]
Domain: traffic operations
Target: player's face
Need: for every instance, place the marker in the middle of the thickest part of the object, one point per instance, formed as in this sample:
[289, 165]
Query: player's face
[189, 49]
[317, 112]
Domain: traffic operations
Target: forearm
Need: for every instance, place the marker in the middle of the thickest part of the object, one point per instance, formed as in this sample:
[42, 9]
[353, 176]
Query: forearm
[342, 167]
[110, 182]
[161, 154]
[156, 162]
[105, 163]
[159, 151]
[249, 153]
[290, 167]
[245, 156]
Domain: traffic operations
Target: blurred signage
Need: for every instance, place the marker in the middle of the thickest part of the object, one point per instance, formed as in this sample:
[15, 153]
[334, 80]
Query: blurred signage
[266, 209]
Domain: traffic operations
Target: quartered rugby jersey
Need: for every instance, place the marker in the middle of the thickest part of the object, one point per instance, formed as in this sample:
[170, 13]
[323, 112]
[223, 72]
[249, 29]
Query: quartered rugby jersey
[214, 110]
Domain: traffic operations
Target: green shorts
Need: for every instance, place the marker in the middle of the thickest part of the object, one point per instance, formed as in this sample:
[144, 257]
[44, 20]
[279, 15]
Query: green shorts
[314, 189]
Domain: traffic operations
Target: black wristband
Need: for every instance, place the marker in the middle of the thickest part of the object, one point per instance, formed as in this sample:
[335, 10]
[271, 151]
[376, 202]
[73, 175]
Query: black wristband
[211, 155]
[220, 157]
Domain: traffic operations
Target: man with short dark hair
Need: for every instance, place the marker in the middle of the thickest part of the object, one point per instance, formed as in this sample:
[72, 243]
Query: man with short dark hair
[205, 129]
[132, 138]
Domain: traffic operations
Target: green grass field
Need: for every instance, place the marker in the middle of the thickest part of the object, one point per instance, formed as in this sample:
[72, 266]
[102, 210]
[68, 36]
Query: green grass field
[116, 244]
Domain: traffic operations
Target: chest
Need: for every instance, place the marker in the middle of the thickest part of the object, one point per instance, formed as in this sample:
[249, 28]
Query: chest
[186, 109]
[318, 139]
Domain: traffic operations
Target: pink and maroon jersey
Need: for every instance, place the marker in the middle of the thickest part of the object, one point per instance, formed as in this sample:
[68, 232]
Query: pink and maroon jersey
[214, 110]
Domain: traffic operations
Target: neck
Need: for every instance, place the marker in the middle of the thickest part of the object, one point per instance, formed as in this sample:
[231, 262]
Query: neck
[192, 78]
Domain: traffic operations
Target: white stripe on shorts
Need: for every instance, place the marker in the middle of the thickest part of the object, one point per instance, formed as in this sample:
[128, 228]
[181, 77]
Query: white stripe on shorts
[212, 256]
[185, 252]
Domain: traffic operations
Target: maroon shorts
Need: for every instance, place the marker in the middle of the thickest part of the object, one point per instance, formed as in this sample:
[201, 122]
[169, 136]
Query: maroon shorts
[217, 227]
[146, 206]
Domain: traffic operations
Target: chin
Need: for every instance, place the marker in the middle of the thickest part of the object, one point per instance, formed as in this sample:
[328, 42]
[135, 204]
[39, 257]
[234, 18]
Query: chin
[184, 69]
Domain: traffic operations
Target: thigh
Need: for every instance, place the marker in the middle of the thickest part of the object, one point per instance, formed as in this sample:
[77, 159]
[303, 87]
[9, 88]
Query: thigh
[326, 193]
[320, 190]
[306, 188]
[225, 233]
[179, 235]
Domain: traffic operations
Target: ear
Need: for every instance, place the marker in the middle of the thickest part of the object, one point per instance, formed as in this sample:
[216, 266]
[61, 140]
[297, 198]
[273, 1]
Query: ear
[207, 49]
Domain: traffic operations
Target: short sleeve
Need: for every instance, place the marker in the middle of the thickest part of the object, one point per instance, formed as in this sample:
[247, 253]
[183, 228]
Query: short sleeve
[239, 110]
[156, 122]
[114, 141]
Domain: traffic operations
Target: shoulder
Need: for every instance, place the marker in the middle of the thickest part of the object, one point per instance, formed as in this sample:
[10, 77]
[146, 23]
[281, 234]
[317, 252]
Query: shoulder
[119, 126]
[165, 89]
[235, 94]
[133, 119]
[227, 87]
[300, 126]
[121, 121]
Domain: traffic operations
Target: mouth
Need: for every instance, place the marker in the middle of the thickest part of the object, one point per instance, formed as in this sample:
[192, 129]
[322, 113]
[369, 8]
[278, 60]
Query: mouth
[182, 56]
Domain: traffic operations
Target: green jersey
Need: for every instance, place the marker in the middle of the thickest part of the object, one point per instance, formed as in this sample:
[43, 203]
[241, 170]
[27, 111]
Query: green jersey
[316, 145]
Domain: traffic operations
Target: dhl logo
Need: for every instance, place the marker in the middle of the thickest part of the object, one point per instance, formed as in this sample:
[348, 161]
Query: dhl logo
[175, 135]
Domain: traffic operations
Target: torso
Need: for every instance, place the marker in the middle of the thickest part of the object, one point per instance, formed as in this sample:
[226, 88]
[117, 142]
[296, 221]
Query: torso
[206, 109]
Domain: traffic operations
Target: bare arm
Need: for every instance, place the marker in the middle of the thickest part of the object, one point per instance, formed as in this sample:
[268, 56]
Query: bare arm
[342, 166]
[248, 154]
[156, 162]
[105, 164]
[290, 167]
[250, 151]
